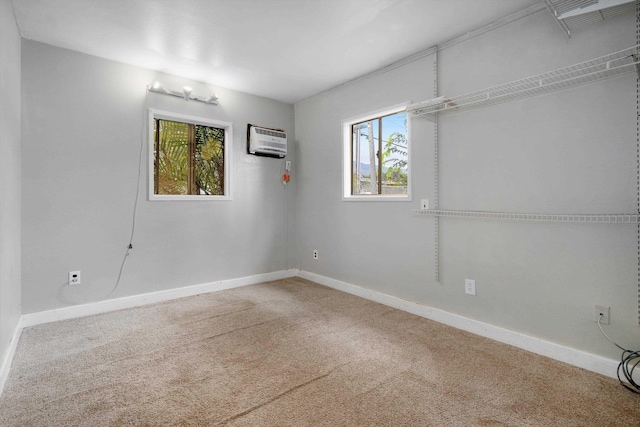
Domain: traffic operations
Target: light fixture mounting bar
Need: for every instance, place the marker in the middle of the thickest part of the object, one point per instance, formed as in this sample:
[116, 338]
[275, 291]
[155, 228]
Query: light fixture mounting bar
[185, 94]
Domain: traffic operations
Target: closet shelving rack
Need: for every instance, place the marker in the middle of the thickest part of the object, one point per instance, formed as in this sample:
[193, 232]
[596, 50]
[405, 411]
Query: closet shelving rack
[530, 217]
[614, 64]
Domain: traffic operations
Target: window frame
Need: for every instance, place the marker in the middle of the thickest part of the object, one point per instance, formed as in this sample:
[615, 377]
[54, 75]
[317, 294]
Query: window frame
[347, 160]
[184, 118]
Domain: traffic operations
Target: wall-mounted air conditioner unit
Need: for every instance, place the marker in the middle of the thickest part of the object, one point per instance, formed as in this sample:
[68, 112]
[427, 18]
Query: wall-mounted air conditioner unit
[263, 141]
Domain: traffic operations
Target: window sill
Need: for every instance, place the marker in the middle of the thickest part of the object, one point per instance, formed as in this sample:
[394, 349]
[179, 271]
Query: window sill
[377, 198]
[159, 198]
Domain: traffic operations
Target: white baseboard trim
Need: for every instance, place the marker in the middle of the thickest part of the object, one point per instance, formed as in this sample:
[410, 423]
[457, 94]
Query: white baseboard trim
[562, 353]
[8, 357]
[72, 312]
[571, 356]
[75, 311]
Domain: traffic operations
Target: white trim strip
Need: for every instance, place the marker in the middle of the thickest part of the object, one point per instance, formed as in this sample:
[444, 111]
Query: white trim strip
[591, 362]
[8, 357]
[571, 356]
[76, 311]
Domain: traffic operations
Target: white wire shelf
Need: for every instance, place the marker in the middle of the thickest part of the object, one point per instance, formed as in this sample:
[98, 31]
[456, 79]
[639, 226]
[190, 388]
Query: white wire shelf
[614, 64]
[572, 14]
[532, 217]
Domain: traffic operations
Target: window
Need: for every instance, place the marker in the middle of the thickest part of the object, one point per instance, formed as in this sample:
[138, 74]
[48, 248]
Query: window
[188, 157]
[376, 156]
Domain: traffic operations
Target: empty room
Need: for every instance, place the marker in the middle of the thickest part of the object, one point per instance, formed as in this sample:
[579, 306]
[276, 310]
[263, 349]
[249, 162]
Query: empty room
[319, 212]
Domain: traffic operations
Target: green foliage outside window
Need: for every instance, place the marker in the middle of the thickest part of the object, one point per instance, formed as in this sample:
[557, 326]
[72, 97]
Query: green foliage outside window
[380, 155]
[395, 156]
[189, 159]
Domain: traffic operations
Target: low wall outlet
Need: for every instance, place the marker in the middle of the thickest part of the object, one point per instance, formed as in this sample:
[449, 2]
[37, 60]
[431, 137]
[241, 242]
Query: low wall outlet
[424, 204]
[315, 254]
[469, 286]
[605, 311]
[74, 278]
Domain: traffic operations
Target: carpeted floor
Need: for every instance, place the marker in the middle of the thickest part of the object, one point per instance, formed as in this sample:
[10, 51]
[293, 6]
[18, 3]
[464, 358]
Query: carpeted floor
[292, 353]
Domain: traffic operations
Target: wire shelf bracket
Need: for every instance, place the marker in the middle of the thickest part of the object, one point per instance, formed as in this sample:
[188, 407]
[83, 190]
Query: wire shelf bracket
[608, 66]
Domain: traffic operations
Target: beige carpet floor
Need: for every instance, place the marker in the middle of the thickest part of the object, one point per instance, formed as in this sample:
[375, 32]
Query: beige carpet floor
[292, 353]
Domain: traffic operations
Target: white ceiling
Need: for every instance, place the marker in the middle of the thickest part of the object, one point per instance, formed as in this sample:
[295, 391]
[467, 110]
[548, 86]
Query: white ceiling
[287, 50]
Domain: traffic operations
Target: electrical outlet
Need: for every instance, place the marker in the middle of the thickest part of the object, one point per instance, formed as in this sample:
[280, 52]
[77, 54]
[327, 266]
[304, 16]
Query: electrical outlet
[424, 204]
[315, 254]
[605, 311]
[74, 278]
[469, 286]
[287, 165]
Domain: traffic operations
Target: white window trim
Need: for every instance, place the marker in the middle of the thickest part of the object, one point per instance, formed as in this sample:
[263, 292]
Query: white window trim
[346, 157]
[228, 154]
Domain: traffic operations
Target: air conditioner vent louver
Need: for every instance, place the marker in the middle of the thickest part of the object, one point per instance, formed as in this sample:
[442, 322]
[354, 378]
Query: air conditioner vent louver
[275, 133]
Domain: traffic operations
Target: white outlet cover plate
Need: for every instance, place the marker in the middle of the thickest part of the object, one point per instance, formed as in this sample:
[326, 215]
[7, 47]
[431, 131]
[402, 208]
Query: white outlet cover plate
[74, 278]
[469, 286]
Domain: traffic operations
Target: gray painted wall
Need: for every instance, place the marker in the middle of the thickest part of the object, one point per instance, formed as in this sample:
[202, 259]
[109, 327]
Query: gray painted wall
[9, 175]
[83, 120]
[568, 152]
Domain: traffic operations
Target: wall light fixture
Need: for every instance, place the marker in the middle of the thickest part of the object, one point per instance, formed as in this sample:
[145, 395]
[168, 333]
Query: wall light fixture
[186, 93]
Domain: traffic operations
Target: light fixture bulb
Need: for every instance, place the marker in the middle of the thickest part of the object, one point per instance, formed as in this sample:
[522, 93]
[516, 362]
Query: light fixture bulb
[156, 85]
[186, 90]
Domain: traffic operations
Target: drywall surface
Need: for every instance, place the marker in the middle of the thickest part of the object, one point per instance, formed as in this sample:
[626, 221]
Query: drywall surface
[9, 175]
[367, 243]
[84, 123]
[569, 152]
